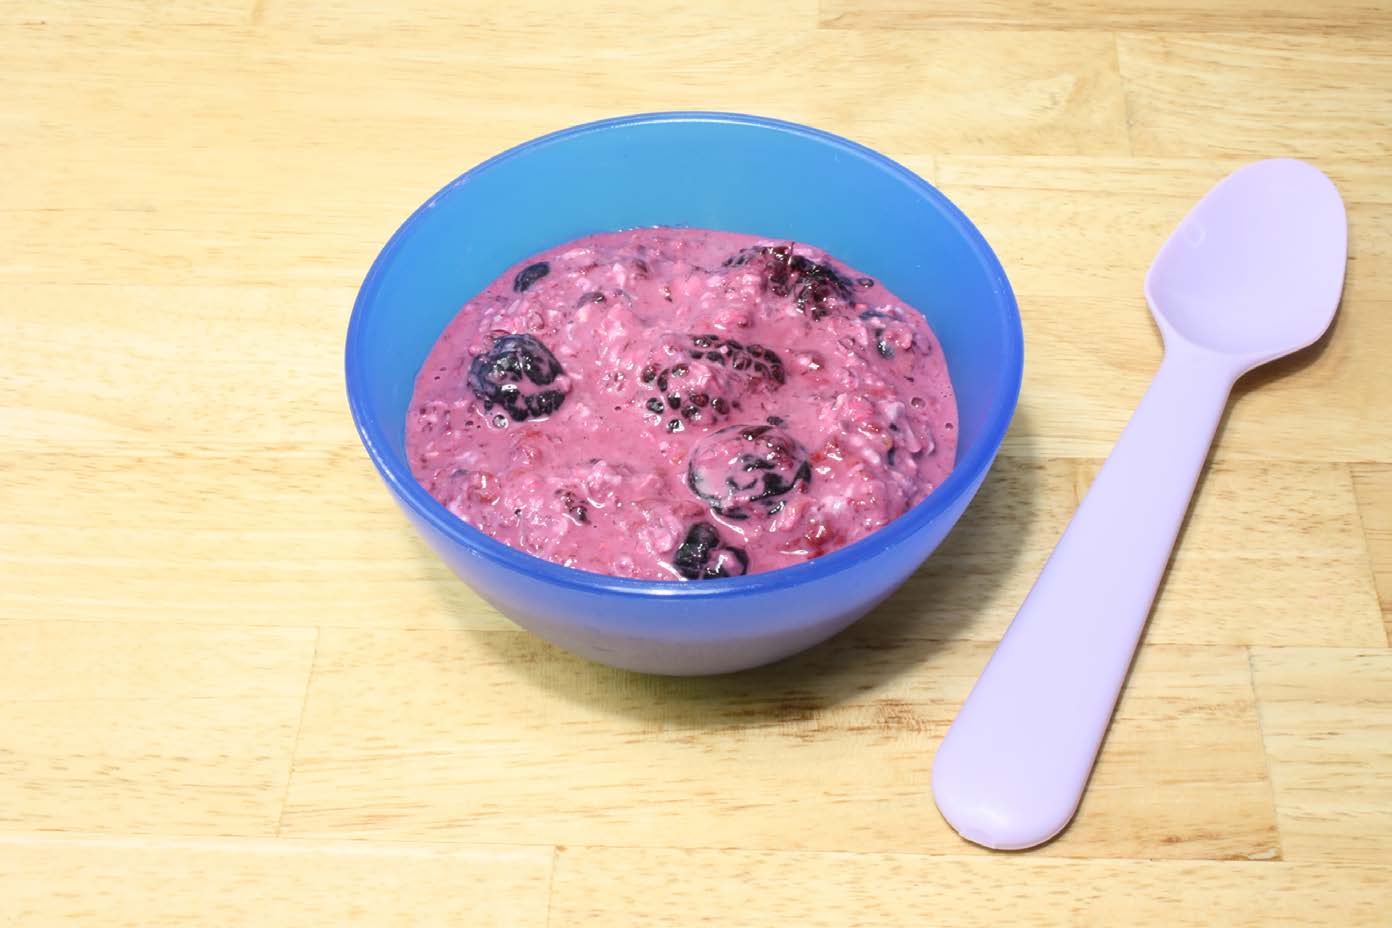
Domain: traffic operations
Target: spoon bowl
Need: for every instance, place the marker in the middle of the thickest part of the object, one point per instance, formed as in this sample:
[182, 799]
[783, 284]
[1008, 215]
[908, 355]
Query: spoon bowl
[1254, 271]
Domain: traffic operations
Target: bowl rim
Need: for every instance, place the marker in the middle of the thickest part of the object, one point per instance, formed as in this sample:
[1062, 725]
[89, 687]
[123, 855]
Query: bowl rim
[397, 474]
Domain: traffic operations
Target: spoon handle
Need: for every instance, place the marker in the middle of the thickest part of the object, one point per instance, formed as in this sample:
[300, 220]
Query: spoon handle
[1012, 768]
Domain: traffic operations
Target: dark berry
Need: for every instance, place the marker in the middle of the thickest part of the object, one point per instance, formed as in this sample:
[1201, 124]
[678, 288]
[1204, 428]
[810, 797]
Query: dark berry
[544, 403]
[507, 372]
[745, 468]
[702, 389]
[865, 282]
[674, 425]
[655, 405]
[815, 288]
[701, 556]
[530, 275]
[886, 349]
[774, 420]
[575, 508]
[594, 296]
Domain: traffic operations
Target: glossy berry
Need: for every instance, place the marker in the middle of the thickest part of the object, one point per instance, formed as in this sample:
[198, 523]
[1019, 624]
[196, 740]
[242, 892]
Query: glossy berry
[816, 288]
[755, 361]
[745, 469]
[508, 373]
[705, 389]
[530, 275]
[701, 556]
[885, 348]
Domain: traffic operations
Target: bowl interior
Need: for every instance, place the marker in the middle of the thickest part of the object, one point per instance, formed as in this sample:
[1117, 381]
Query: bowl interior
[716, 171]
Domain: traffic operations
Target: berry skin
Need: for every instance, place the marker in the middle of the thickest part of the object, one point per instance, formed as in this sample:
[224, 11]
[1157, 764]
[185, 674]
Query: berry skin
[701, 556]
[530, 275]
[816, 288]
[508, 372]
[746, 469]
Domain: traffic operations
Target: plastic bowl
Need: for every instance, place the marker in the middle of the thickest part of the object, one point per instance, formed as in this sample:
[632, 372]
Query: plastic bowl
[712, 170]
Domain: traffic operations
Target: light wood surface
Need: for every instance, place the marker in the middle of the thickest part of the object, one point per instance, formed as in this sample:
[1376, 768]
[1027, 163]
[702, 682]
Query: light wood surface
[235, 689]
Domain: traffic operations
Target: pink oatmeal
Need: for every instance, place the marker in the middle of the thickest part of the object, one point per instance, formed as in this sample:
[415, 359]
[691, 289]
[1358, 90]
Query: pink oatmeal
[682, 404]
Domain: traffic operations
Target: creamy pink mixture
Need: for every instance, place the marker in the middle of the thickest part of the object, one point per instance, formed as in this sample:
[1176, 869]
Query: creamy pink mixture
[682, 404]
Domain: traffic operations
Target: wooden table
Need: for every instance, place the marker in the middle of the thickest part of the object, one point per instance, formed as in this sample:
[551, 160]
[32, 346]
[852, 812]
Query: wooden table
[236, 689]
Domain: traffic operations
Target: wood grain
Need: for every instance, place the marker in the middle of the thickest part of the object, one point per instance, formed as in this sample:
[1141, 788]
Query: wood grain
[170, 208]
[1258, 96]
[143, 882]
[1372, 485]
[186, 12]
[236, 688]
[277, 539]
[607, 886]
[148, 729]
[828, 751]
[1326, 716]
[1244, 16]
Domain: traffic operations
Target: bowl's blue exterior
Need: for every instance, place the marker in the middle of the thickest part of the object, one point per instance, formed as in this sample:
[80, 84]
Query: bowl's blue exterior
[711, 170]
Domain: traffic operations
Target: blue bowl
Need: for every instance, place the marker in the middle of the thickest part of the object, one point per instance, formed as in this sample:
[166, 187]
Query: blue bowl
[711, 170]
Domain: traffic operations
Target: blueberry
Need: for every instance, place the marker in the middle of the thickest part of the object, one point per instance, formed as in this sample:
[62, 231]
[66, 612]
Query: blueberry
[746, 468]
[654, 404]
[530, 275]
[701, 556]
[507, 372]
[865, 282]
[594, 296]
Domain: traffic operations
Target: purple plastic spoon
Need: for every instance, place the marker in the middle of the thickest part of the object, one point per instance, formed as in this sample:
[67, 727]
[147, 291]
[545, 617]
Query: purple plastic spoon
[1253, 273]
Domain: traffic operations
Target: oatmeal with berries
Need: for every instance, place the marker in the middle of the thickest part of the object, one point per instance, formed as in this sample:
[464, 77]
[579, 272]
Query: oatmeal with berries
[682, 404]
